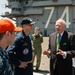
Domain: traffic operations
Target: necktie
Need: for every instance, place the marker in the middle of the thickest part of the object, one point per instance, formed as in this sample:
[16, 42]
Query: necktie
[58, 42]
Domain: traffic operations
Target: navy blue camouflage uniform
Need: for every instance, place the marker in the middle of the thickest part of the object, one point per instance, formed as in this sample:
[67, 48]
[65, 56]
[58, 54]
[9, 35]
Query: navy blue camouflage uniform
[5, 67]
[21, 50]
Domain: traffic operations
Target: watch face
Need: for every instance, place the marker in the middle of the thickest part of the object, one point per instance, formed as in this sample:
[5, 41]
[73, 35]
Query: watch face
[25, 51]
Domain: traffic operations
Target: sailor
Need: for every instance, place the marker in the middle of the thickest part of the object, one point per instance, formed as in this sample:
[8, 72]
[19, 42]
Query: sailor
[21, 52]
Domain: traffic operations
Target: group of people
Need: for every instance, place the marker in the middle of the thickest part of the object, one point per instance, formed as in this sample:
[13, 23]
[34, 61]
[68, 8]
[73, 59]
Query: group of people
[20, 49]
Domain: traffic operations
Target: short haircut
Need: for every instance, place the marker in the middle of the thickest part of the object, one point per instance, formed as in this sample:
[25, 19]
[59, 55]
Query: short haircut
[62, 21]
[2, 34]
[37, 28]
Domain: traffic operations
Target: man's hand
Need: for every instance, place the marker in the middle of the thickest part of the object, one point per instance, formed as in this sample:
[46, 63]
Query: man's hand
[46, 52]
[61, 52]
[23, 65]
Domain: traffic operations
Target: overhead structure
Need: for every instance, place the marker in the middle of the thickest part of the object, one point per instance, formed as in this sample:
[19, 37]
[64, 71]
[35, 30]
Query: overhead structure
[44, 13]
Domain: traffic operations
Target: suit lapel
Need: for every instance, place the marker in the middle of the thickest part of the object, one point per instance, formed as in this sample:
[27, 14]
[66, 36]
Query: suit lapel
[53, 41]
[64, 38]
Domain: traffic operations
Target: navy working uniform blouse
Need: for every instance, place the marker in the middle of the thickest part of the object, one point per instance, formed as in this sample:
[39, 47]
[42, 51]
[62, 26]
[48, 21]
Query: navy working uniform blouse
[5, 67]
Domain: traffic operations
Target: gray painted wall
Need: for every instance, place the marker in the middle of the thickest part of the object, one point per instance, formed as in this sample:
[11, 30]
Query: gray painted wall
[45, 13]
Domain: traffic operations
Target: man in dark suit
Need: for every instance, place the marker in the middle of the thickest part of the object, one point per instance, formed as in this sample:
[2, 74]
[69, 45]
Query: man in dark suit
[61, 51]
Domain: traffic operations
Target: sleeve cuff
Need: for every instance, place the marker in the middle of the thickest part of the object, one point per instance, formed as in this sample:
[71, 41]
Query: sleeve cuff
[65, 54]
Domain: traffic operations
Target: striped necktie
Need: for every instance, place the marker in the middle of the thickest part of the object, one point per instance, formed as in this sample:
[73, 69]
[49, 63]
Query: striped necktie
[58, 42]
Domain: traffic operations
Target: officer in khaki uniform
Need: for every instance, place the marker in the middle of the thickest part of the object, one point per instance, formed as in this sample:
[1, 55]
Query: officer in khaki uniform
[37, 39]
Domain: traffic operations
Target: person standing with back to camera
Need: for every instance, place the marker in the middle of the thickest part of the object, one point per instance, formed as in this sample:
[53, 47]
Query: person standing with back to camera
[37, 40]
[61, 50]
[7, 36]
[21, 52]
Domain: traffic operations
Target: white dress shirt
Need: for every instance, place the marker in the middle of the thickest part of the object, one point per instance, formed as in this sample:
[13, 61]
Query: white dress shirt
[73, 62]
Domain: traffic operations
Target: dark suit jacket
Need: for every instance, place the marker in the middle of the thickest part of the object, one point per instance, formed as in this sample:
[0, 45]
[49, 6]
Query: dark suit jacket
[67, 43]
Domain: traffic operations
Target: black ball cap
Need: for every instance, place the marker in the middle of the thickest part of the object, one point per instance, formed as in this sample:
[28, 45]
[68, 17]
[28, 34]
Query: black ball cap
[27, 21]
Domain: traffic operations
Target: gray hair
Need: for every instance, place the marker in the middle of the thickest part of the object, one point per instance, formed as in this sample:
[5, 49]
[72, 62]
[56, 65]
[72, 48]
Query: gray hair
[62, 21]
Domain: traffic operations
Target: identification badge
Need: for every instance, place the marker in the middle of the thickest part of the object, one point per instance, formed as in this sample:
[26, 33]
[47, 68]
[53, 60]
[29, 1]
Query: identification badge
[26, 51]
